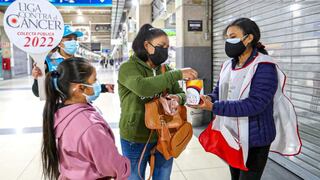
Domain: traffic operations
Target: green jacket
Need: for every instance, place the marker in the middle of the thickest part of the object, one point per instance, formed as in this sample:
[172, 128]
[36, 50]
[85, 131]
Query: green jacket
[138, 85]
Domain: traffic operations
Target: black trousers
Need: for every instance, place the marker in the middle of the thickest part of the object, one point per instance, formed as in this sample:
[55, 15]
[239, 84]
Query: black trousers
[257, 159]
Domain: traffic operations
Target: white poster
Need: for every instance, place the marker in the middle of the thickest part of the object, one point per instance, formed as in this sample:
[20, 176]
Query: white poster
[35, 27]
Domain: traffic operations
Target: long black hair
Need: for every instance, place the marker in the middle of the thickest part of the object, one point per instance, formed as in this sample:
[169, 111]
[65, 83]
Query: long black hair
[249, 27]
[146, 33]
[57, 88]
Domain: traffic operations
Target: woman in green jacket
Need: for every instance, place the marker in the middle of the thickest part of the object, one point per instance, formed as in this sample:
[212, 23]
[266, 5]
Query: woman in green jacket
[140, 80]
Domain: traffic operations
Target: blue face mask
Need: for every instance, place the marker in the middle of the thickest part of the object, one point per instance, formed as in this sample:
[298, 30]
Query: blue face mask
[70, 47]
[97, 90]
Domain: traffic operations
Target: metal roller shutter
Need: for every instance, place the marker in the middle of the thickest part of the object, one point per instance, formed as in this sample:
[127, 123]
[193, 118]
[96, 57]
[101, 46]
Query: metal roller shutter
[291, 32]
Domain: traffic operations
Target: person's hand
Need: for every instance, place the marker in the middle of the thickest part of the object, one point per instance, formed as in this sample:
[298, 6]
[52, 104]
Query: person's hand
[205, 103]
[174, 97]
[189, 74]
[173, 105]
[174, 102]
[208, 98]
[36, 72]
[170, 106]
[110, 88]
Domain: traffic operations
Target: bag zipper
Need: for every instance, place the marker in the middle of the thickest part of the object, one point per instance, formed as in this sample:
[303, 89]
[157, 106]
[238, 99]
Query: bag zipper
[154, 72]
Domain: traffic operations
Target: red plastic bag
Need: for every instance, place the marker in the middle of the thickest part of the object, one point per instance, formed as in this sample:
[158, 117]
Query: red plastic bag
[213, 141]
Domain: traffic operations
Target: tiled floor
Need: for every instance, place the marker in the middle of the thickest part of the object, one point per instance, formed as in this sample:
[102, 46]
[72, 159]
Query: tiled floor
[20, 135]
[20, 152]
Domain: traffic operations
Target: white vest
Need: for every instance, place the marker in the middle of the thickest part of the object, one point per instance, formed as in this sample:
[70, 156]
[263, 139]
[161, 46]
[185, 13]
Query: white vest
[235, 85]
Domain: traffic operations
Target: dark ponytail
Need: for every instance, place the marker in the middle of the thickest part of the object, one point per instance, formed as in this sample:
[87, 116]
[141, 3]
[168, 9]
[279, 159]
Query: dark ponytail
[249, 27]
[57, 88]
[146, 33]
[261, 48]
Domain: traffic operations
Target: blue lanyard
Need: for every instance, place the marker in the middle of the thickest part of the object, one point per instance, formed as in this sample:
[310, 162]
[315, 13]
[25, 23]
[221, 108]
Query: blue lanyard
[53, 63]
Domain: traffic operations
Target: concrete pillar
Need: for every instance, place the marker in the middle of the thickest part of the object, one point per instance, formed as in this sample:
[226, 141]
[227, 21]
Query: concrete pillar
[143, 14]
[193, 47]
[140, 14]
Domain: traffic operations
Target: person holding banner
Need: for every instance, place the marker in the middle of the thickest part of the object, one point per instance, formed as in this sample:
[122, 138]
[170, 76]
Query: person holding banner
[65, 50]
[253, 113]
[77, 141]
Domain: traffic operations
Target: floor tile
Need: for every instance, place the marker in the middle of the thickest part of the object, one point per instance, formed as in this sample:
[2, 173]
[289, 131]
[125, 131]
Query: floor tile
[192, 159]
[175, 167]
[194, 143]
[208, 174]
[177, 176]
[33, 171]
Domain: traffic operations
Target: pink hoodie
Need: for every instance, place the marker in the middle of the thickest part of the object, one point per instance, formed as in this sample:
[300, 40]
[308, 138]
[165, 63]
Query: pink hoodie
[86, 145]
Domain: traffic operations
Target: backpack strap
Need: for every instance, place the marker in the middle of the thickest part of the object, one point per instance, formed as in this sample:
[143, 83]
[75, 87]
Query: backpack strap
[153, 150]
[152, 158]
[163, 70]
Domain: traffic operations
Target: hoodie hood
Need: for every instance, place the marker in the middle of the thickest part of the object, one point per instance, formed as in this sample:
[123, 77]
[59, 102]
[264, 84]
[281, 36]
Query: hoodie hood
[66, 114]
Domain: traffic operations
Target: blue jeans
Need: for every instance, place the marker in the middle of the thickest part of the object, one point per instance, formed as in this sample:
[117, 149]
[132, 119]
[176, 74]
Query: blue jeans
[132, 150]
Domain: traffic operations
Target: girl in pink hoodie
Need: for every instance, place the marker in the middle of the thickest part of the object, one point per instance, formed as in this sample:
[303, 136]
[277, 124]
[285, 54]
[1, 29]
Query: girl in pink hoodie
[77, 142]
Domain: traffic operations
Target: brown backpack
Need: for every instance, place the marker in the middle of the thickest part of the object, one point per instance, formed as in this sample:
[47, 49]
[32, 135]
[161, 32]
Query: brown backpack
[174, 132]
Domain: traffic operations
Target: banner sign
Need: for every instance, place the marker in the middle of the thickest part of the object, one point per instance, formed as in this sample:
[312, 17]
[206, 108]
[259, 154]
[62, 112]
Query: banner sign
[35, 27]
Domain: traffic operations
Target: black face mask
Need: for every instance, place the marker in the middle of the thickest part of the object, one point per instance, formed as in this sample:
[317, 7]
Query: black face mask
[159, 56]
[235, 47]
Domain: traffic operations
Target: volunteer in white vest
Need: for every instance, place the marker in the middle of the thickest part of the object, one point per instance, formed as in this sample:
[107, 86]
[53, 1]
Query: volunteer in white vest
[253, 114]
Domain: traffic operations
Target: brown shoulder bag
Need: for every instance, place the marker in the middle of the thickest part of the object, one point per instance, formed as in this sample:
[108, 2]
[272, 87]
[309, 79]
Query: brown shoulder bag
[174, 132]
